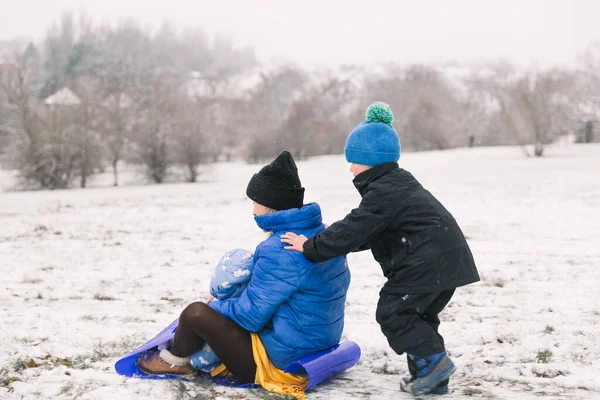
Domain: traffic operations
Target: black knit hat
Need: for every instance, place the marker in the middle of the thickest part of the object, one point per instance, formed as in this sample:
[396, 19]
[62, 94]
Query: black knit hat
[277, 185]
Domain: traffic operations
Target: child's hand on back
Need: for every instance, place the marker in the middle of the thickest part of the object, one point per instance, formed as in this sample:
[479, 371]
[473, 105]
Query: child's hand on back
[296, 241]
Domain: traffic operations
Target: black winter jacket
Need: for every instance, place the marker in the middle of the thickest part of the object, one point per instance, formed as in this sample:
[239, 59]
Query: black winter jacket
[417, 242]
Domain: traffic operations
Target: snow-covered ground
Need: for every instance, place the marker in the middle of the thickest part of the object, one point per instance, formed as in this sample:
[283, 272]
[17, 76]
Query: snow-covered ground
[87, 275]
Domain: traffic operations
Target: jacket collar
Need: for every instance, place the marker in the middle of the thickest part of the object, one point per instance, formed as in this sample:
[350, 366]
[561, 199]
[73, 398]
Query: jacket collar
[307, 217]
[361, 181]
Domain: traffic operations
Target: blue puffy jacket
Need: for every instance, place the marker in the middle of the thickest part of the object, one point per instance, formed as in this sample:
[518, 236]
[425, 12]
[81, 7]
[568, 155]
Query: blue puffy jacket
[295, 305]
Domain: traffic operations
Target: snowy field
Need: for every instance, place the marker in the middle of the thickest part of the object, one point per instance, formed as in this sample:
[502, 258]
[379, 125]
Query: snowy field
[87, 275]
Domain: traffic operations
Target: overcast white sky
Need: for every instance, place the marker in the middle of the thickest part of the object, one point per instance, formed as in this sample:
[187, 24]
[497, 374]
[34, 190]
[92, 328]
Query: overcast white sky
[330, 32]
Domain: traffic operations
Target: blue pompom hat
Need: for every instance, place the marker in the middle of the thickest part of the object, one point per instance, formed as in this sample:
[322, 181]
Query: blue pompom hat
[374, 141]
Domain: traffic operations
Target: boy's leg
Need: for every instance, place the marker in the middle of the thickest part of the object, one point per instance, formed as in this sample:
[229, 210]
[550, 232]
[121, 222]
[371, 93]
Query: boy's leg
[410, 324]
[199, 324]
[431, 314]
[402, 322]
[432, 319]
[433, 378]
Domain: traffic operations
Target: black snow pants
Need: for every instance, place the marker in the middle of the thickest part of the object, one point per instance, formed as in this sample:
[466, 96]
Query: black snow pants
[410, 322]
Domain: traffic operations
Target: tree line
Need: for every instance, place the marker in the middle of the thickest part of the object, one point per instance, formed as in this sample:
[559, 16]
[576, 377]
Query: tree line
[91, 97]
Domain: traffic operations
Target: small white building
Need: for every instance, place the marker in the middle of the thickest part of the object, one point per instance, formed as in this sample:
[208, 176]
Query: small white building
[63, 97]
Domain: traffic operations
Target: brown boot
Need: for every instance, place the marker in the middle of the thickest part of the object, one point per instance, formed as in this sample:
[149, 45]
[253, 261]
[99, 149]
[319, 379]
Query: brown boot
[163, 362]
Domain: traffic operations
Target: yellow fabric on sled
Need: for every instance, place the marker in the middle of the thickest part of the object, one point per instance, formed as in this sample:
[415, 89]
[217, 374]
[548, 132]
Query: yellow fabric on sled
[221, 371]
[267, 376]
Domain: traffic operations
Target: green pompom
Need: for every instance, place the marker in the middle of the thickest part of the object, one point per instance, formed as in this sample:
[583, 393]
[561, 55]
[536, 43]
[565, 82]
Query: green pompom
[379, 112]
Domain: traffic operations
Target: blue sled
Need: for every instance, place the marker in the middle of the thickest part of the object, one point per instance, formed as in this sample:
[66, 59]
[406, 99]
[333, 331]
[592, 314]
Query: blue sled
[319, 367]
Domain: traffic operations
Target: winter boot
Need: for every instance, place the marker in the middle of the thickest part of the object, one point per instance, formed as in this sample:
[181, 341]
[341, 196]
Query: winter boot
[163, 362]
[432, 375]
[413, 368]
[440, 389]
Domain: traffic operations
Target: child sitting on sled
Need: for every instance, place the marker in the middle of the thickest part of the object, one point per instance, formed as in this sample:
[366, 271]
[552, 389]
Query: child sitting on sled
[290, 309]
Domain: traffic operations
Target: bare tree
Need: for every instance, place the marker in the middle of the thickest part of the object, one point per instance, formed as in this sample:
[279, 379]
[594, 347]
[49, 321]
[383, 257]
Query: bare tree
[73, 53]
[213, 101]
[58, 47]
[58, 157]
[35, 149]
[8, 112]
[320, 121]
[87, 139]
[190, 135]
[155, 121]
[268, 109]
[123, 71]
[429, 112]
[482, 117]
[188, 141]
[115, 125]
[534, 107]
[587, 92]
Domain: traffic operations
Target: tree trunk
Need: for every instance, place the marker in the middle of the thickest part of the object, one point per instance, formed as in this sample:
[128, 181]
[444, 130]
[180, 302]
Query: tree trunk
[538, 149]
[84, 171]
[589, 132]
[193, 173]
[85, 164]
[115, 173]
[157, 175]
